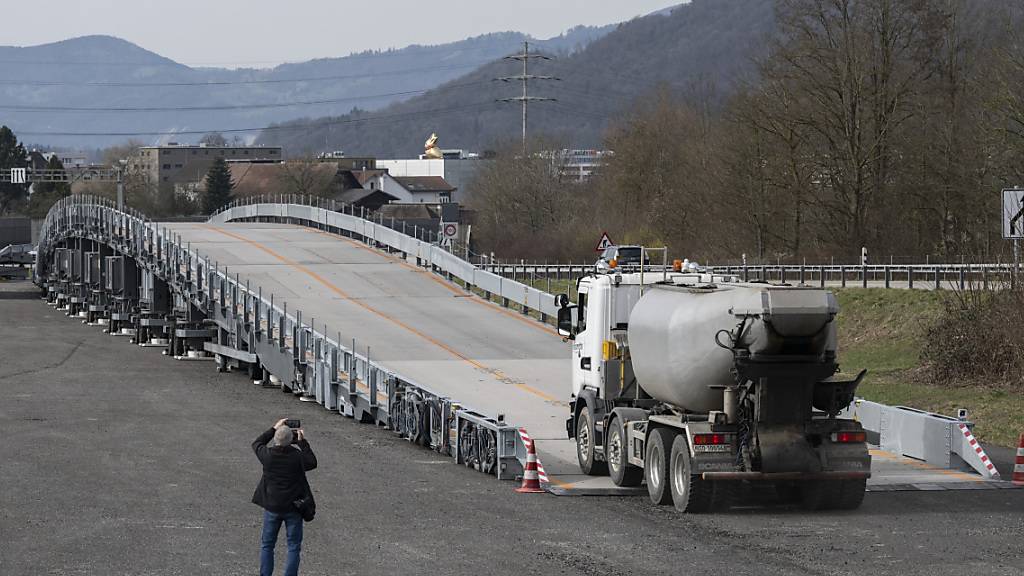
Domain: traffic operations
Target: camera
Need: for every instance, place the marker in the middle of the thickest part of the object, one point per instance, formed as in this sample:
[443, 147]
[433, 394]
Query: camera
[294, 424]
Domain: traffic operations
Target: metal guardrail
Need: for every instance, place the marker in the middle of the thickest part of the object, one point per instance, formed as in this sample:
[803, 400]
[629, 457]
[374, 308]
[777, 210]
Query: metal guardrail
[251, 328]
[934, 276]
[931, 276]
[943, 441]
[394, 235]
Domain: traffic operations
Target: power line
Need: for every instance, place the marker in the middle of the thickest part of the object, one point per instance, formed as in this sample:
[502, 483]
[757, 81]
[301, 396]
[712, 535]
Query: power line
[525, 56]
[242, 82]
[20, 108]
[297, 126]
[167, 62]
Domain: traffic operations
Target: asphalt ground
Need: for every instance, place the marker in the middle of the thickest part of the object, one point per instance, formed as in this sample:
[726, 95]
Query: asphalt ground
[115, 459]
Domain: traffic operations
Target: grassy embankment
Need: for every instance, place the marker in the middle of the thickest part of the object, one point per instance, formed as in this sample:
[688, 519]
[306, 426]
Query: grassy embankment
[884, 331]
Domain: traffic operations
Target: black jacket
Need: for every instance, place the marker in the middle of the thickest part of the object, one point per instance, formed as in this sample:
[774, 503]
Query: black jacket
[283, 473]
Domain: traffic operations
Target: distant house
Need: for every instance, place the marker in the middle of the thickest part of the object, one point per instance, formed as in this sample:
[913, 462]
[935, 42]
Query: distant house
[38, 161]
[432, 189]
[371, 200]
[458, 171]
[379, 187]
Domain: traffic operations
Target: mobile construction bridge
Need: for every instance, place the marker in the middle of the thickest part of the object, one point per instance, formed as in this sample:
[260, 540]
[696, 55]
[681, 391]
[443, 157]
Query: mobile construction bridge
[376, 321]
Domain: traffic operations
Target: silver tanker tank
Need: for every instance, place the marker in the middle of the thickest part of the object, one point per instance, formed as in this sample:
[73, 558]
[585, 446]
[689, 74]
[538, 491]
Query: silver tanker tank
[673, 330]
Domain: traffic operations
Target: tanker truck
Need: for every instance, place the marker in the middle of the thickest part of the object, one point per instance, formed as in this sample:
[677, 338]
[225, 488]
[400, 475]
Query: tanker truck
[699, 385]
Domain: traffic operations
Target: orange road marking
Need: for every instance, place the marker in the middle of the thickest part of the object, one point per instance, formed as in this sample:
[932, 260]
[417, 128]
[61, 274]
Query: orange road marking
[498, 374]
[447, 285]
[559, 483]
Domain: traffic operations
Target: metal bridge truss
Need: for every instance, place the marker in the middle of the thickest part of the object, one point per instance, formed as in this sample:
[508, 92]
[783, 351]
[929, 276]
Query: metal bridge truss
[116, 269]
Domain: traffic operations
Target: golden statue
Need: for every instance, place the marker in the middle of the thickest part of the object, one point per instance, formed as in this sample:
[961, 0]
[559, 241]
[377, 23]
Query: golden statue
[430, 149]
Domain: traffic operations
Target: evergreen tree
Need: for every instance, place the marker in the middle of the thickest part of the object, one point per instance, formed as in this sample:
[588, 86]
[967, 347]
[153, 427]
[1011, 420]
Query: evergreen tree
[218, 186]
[12, 155]
[46, 194]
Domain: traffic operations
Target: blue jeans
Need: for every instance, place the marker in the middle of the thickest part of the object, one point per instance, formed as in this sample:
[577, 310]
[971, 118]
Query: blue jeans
[271, 526]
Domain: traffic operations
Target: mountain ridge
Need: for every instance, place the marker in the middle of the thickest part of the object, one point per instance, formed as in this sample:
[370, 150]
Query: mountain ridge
[92, 71]
[705, 45]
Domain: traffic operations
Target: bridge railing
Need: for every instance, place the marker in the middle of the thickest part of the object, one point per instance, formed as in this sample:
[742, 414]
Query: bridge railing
[419, 243]
[335, 374]
[923, 276]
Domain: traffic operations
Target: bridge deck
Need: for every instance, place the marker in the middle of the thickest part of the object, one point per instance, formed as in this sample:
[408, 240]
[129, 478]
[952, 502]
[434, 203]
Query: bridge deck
[492, 359]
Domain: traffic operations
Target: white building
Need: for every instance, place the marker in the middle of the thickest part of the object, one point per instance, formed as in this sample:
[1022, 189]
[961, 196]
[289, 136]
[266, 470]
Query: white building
[458, 172]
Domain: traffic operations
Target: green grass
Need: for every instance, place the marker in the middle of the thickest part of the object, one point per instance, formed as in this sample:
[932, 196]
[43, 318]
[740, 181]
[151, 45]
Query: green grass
[884, 332]
[998, 414]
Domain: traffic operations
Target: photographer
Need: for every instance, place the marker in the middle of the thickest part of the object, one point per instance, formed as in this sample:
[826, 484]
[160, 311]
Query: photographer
[283, 489]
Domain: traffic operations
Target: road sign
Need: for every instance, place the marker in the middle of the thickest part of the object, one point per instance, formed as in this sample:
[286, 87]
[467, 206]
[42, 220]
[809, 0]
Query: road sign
[1013, 213]
[605, 242]
[19, 175]
[449, 230]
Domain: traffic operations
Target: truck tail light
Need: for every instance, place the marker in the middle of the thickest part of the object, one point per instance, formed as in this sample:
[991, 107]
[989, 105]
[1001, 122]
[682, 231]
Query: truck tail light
[849, 437]
[710, 439]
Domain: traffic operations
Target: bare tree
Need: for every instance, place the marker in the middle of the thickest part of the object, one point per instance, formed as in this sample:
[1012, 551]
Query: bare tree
[858, 66]
[308, 177]
[215, 139]
[525, 208]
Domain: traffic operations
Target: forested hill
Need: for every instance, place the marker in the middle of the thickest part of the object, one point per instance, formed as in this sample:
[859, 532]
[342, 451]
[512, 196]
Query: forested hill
[703, 45]
[41, 82]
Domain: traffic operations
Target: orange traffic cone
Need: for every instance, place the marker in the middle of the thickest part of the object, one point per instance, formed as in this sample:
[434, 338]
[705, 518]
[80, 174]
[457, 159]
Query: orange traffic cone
[1018, 466]
[531, 482]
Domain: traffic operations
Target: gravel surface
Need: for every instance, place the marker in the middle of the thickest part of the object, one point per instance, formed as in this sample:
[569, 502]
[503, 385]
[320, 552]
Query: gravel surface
[119, 460]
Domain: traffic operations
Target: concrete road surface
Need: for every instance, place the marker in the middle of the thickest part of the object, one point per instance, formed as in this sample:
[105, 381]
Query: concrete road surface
[115, 459]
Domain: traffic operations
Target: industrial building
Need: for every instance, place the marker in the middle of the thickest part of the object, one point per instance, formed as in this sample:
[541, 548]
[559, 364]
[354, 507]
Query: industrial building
[188, 164]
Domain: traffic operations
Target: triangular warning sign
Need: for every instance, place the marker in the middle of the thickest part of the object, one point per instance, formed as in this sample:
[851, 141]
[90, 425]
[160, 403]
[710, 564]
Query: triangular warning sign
[605, 242]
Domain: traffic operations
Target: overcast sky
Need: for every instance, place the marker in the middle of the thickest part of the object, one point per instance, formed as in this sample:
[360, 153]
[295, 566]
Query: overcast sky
[258, 33]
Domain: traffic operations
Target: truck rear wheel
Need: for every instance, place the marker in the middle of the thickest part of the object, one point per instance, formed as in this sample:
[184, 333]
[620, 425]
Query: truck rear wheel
[617, 457]
[690, 492]
[586, 452]
[657, 469]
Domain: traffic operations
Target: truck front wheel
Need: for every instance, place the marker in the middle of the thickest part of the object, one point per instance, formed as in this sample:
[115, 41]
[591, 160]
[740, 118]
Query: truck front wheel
[657, 471]
[585, 449]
